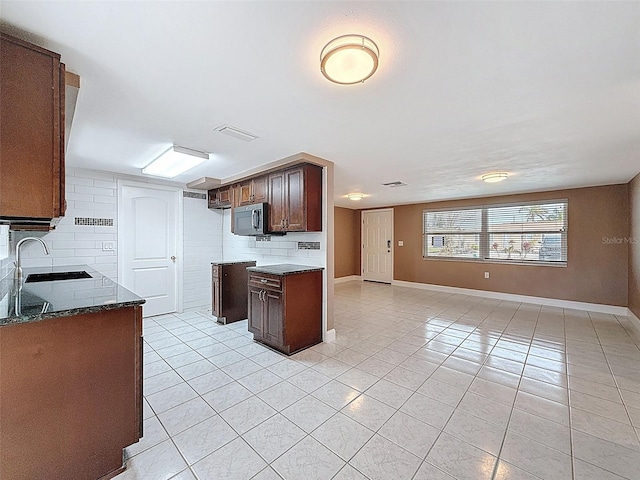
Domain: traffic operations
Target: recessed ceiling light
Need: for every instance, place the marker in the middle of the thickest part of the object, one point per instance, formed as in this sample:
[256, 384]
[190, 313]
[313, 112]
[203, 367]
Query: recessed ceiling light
[175, 161]
[494, 177]
[355, 196]
[349, 59]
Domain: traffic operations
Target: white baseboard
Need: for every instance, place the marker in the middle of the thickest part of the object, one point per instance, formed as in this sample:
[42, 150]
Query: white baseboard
[635, 321]
[329, 336]
[551, 302]
[349, 278]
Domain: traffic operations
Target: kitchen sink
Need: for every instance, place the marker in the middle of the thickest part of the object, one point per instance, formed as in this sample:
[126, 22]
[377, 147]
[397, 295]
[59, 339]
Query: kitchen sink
[55, 276]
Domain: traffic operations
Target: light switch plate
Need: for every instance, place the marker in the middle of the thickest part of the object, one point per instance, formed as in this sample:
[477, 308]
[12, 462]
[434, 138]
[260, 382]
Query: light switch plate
[108, 246]
[486, 274]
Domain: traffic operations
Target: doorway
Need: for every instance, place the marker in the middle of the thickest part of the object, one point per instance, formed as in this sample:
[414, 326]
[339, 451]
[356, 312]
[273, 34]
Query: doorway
[377, 245]
[149, 240]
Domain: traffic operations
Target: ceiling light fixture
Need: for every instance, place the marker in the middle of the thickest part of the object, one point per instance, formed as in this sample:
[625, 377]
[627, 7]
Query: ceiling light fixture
[494, 177]
[175, 161]
[349, 59]
[355, 196]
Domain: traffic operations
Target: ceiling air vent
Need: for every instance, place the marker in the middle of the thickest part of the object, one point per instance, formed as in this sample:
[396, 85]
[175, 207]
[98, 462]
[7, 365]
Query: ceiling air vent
[394, 184]
[236, 133]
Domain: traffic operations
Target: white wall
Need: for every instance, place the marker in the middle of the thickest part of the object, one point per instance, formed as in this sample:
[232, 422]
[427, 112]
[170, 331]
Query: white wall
[202, 245]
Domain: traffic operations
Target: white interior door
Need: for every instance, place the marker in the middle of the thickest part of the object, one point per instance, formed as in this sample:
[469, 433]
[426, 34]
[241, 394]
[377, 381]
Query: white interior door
[377, 245]
[148, 240]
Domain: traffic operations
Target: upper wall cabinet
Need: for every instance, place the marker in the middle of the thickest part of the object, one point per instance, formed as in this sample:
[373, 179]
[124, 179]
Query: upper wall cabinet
[253, 190]
[32, 86]
[295, 199]
[221, 197]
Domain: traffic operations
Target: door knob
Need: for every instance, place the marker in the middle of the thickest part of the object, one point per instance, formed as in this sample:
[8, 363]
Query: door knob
[173, 258]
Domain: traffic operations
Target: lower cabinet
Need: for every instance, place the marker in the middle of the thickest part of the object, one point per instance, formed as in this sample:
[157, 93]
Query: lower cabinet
[71, 395]
[228, 290]
[285, 311]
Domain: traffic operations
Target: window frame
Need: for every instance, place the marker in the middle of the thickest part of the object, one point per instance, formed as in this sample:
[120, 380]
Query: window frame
[485, 234]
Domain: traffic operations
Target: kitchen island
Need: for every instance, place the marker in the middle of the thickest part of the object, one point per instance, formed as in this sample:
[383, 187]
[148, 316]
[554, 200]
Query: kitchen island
[285, 306]
[70, 376]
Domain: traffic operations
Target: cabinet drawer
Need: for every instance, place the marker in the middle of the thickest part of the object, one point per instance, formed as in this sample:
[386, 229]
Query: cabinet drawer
[214, 271]
[264, 280]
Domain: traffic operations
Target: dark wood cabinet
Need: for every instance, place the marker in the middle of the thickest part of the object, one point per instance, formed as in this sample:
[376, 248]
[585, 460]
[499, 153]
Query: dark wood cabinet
[285, 311]
[229, 290]
[253, 190]
[220, 197]
[32, 84]
[295, 199]
[71, 395]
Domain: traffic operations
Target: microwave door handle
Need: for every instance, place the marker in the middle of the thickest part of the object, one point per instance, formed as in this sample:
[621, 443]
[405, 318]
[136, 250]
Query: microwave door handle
[255, 219]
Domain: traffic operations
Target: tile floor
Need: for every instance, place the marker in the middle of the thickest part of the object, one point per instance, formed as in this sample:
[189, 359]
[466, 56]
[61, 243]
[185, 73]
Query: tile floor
[418, 385]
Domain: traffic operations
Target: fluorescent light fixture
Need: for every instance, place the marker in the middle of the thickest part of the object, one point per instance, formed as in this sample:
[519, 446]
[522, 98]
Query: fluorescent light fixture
[349, 59]
[175, 161]
[494, 177]
[355, 196]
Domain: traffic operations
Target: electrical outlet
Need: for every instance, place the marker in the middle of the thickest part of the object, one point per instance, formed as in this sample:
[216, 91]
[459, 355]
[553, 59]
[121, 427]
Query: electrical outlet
[400, 243]
[108, 246]
[486, 274]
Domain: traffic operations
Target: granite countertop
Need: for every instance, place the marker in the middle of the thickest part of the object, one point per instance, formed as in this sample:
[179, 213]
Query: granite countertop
[32, 302]
[285, 269]
[233, 262]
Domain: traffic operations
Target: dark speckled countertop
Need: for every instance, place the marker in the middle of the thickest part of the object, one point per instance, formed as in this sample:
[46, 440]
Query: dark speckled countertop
[233, 262]
[284, 269]
[41, 300]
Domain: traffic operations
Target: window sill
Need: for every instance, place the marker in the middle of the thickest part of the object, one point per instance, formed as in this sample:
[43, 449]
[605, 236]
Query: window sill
[498, 262]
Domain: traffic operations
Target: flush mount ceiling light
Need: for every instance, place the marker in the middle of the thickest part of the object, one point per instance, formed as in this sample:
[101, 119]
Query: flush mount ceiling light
[349, 59]
[494, 177]
[175, 161]
[355, 196]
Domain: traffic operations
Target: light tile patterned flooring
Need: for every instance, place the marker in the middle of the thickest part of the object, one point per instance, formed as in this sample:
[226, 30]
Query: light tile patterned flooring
[419, 385]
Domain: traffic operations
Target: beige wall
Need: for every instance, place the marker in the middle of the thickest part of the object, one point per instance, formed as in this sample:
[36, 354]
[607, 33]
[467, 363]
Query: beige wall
[596, 272]
[346, 242]
[634, 246]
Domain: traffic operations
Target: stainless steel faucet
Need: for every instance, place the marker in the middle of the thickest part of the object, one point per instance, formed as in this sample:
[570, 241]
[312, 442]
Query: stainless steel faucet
[17, 274]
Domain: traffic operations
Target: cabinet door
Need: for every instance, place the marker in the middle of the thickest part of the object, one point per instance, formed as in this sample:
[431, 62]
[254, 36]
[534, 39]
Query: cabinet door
[295, 208]
[244, 193]
[224, 196]
[259, 189]
[32, 131]
[276, 202]
[256, 312]
[273, 320]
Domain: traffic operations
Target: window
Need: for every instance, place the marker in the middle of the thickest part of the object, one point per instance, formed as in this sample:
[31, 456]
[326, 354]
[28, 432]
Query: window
[453, 233]
[520, 233]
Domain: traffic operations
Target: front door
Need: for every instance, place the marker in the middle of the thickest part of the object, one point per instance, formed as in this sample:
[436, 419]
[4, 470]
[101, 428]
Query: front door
[377, 243]
[149, 225]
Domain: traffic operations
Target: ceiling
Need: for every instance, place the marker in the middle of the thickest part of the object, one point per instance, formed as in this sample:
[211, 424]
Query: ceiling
[547, 91]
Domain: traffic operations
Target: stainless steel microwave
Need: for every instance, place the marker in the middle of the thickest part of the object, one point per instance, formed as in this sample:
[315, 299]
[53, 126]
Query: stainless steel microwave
[251, 219]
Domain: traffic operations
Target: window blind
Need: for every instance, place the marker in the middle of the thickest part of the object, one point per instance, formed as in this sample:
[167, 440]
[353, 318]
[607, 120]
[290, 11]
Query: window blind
[534, 232]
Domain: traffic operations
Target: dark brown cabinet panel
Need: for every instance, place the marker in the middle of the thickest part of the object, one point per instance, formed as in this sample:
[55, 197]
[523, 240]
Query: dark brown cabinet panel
[80, 402]
[285, 311]
[32, 131]
[252, 191]
[229, 292]
[220, 197]
[276, 202]
[295, 199]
